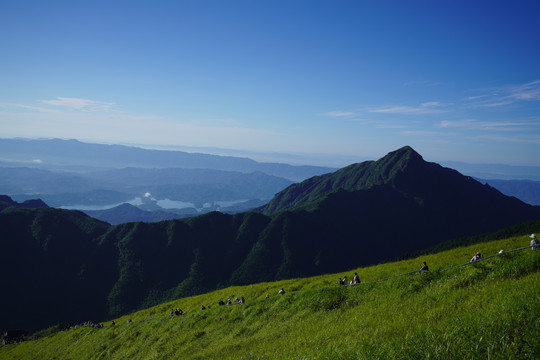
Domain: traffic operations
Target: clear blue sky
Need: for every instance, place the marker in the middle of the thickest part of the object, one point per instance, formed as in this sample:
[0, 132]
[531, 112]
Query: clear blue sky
[456, 80]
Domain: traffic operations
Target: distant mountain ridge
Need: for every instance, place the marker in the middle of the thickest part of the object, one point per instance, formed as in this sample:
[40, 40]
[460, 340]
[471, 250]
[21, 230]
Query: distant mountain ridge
[525, 190]
[7, 202]
[128, 213]
[73, 153]
[359, 215]
[73, 174]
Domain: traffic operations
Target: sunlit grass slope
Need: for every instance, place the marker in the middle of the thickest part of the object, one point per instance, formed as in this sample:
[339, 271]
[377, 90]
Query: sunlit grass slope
[489, 310]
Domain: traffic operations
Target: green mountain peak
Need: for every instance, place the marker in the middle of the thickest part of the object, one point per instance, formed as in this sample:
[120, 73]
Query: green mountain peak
[404, 162]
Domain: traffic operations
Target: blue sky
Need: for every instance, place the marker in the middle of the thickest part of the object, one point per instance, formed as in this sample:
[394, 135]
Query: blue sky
[332, 81]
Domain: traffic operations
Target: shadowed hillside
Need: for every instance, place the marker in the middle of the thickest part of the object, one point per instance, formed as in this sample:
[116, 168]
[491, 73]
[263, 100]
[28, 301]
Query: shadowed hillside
[485, 310]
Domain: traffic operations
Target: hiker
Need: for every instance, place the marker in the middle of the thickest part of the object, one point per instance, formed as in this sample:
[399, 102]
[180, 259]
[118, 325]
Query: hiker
[476, 257]
[340, 281]
[221, 303]
[424, 267]
[172, 312]
[267, 297]
[229, 302]
[281, 292]
[355, 279]
[534, 242]
[113, 323]
[345, 281]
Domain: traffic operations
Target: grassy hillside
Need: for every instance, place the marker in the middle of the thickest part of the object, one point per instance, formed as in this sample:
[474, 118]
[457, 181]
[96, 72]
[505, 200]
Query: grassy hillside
[488, 310]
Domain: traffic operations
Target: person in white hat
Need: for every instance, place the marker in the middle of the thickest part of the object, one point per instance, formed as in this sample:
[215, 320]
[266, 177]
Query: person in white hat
[534, 242]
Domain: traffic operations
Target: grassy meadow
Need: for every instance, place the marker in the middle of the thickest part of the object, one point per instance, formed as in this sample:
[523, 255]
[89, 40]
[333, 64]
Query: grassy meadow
[488, 310]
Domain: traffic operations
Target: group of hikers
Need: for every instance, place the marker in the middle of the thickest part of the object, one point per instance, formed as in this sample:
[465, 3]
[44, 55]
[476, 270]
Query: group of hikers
[534, 244]
[88, 323]
[344, 282]
[177, 312]
[239, 301]
[229, 302]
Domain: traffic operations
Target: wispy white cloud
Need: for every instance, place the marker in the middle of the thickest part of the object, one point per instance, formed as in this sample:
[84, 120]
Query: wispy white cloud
[432, 107]
[529, 91]
[80, 104]
[473, 124]
[339, 114]
[347, 116]
[390, 126]
[424, 83]
[420, 133]
[524, 139]
[16, 107]
[505, 95]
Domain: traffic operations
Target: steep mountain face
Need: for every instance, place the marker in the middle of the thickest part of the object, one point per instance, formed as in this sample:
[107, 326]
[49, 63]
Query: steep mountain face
[363, 214]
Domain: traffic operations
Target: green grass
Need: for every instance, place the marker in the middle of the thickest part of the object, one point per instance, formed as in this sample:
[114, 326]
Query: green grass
[489, 310]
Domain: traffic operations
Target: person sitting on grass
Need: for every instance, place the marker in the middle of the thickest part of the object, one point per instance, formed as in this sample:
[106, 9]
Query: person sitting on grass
[424, 267]
[476, 257]
[534, 242]
[355, 279]
[281, 292]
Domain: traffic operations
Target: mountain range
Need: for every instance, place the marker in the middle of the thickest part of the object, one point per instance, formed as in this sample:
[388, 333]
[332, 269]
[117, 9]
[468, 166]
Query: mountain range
[93, 177]
[108, 181]
[363, 214]
[76, 156]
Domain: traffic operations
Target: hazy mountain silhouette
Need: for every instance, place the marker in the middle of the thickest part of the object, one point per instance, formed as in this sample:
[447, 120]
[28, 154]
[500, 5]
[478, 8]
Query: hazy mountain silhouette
[128, 213]
[76, 155]
[525, 190]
